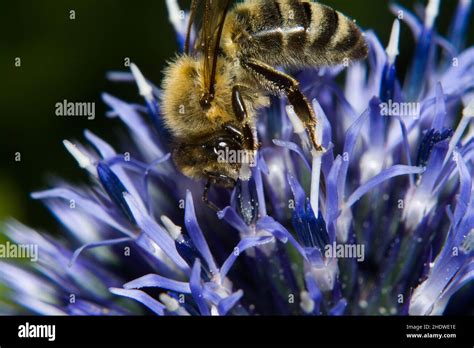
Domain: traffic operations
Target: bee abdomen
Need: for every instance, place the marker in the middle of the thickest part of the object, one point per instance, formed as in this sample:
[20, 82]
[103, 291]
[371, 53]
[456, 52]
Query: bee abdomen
[297, 32]
[335, 35]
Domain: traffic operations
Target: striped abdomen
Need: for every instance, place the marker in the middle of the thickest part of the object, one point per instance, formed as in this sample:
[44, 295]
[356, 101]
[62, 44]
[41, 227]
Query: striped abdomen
[292, 33]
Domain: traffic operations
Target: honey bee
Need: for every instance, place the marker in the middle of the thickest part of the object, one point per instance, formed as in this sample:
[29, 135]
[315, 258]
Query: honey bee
[212, 92]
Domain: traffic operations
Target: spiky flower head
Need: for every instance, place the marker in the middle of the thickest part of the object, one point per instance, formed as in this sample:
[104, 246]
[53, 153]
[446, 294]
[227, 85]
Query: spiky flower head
[381, 222]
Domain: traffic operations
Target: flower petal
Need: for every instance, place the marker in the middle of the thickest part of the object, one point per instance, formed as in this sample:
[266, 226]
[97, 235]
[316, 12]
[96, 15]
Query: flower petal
[465, 190]
[196, 234]
[132, 119]
[349, 145]
[229, 214]
[90, 207]
[197, 289]
[293, 147]
[141, 297]
[155, 233]
[115, 189]
[339, 308]
[244, 244]
[157, 281]
[387, 174]
[226, 304]
[96, 245]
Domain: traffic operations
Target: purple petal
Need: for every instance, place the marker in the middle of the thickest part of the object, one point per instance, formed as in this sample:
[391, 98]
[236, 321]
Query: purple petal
[463, 277]
[313, 288]
[376, 136]
[120, 76]
[339, 308]
[441, 276]
[434, 167]
[257, 175]
[156, 233]
[293, 147]
[96, 245]
[141, 297]
[229, 215]
[227, 303]
[262, 164]
[196, 288]
[465, 190]
[134, 121]
[378, 61]
[270, 225]
[210, 293]
[440, 109]
[387, 174]
[332, 191]
[244, 244]
[457, 80]
[115, 189]
[349, 145]
[157, 281]
[449, 49]
[81, 307]
[406, 146]
[87, 205]
[298, 192]
[196, 234]
[104, 149]
[460, 24]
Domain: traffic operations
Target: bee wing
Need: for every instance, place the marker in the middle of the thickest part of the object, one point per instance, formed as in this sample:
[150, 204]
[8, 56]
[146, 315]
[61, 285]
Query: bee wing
[214, 14]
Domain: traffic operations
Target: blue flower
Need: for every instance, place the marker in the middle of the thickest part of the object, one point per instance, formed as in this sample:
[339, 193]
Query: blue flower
[380, 222]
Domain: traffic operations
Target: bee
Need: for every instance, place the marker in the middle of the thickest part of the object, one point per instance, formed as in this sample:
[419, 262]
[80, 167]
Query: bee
[212, 92]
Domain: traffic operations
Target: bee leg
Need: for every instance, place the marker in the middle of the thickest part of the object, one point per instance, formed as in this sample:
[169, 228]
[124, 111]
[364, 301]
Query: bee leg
[277, 82]
[205, 196]
[238, 104]
[219, 180]
[240, 111]
[249, 139]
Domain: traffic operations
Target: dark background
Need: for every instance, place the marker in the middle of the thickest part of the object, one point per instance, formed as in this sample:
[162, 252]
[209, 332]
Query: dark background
[68, 59]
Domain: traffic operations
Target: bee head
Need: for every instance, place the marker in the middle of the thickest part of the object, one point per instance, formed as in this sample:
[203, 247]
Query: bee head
[216, 157]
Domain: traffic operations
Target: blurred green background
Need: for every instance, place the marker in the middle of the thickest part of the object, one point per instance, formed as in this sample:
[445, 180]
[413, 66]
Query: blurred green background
[68, 59]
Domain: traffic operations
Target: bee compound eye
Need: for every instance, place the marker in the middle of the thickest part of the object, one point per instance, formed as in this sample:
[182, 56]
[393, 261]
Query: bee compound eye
[214, 147]
[222, 144]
